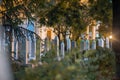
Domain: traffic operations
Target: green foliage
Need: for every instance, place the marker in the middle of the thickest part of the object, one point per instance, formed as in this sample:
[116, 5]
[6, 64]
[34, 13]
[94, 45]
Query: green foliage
[49, 56]
[101, 10]
[105, 30]
[90, 65]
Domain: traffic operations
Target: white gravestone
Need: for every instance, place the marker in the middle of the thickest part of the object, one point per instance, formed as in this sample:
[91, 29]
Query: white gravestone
[29, 48]
[107, 43]
[87, 44]
[67, 41]
[5, 69]
[98, 42]
[58, 55]
[62, 49]
[94, 44]
[32, 49]
[81, 45]
[13, 44]
[101, 42]
[27, 52]
[68, 44]
[16, 49]
[84, 45]
[73, 44]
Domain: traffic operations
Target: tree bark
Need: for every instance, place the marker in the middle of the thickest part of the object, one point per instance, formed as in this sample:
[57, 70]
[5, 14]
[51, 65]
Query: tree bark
[116, 35]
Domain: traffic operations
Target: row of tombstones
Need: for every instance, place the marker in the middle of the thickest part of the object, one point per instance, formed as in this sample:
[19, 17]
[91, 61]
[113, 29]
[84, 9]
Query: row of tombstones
[84, 45]
[91, 44]
[24, 50]
[29, 47]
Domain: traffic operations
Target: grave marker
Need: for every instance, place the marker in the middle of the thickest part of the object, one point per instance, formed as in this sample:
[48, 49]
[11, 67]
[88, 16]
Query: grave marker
[107, 43]
[62, 49]
[93, 44]
[82, 45]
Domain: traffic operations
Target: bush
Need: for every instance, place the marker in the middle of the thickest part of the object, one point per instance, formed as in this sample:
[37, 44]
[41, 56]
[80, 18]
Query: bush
[92, 65]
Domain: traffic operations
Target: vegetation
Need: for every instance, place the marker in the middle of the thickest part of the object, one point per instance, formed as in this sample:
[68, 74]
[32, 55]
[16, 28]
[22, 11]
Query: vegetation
[64, 15]
[91, 65]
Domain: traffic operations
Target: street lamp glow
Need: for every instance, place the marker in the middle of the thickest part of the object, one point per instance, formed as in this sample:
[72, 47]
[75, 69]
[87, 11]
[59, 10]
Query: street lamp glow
[110, 36]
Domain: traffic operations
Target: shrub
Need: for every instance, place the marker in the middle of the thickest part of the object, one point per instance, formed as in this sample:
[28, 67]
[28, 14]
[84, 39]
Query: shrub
[92, 65]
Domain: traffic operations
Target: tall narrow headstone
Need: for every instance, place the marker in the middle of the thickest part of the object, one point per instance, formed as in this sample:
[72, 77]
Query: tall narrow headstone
[58, 55]
[82, 45]
[93, 44]
[32, 50]
[40, 50]
[30, 47]
[26, 54]
[62, 49]
[32, 41]
[87, 45]
[16, 50]
[101, 42]
[5, 69]
[107, 43]
[73, 44]
[69, 43]
[47, 44]
[23, 50]
[13, 44]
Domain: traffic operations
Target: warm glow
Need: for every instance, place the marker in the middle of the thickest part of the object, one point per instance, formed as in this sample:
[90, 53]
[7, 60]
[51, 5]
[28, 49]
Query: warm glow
[110, 36]
[84, 1]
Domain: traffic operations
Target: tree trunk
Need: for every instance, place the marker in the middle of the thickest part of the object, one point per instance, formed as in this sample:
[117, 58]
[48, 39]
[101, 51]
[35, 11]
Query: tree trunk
[116, 35]
[5, 70]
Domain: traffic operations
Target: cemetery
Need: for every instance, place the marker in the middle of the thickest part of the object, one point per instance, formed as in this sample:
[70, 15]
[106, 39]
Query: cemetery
[42, 53]
[57, 40]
